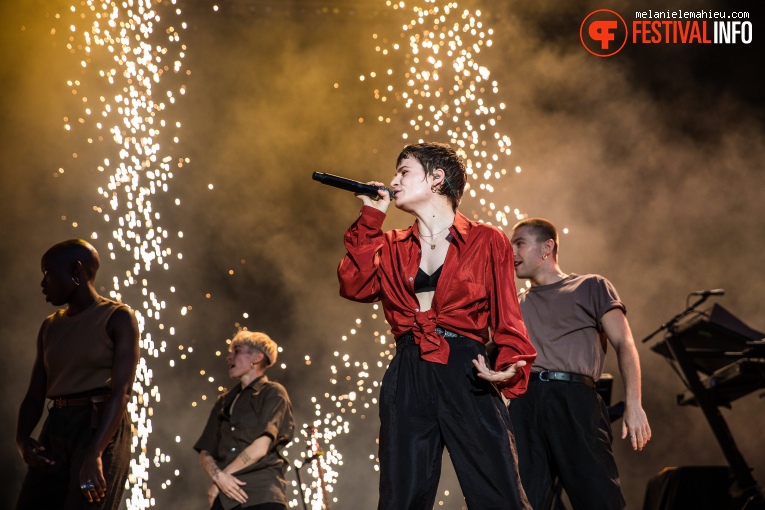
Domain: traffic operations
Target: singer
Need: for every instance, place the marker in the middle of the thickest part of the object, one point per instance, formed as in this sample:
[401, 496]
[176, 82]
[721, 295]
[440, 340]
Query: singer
[561, 423]
[446, 285]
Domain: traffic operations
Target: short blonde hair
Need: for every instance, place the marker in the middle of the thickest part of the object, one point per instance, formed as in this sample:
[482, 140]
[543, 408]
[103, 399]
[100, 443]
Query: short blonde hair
[256, 341]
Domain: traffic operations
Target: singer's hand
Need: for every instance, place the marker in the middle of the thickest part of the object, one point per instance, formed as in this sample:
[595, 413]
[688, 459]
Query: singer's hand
[485, 372]
[382, 203]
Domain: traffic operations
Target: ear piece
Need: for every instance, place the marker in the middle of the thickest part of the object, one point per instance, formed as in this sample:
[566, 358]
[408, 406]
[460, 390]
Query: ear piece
[436, 186]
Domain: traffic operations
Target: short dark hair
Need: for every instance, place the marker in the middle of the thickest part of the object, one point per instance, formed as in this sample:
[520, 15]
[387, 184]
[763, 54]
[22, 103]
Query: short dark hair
[77, 250]
[542, 230]
[432, 156]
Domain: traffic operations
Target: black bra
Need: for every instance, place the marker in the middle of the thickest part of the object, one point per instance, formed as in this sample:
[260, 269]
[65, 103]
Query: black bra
[424, 282]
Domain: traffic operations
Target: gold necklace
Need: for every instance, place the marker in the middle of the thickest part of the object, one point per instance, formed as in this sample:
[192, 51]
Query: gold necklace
[433, 246]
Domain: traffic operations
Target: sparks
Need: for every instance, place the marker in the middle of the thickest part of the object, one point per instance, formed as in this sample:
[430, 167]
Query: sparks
[126, 49]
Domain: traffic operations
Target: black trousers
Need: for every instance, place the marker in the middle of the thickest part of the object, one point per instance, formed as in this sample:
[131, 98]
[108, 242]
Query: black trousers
[563, 430]
[217, 505]
[66, 434]
[425, 406]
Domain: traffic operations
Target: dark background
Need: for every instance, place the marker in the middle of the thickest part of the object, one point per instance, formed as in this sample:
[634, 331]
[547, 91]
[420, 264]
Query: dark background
[652, 159]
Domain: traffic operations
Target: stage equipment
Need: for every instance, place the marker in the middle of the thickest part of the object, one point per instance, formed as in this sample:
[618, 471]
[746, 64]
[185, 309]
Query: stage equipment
[314, 453]
[731, 357]
[690, 487]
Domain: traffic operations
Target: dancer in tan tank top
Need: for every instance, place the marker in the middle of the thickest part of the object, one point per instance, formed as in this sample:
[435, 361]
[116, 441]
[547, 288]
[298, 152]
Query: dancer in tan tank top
[86, 360]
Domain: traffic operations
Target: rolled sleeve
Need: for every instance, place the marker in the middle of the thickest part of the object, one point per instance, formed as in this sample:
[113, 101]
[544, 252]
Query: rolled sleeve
[276, 411]
[605, 298]
[210, 438]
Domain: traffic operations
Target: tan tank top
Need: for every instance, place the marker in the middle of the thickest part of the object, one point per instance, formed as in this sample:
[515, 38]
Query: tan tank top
[77, 351]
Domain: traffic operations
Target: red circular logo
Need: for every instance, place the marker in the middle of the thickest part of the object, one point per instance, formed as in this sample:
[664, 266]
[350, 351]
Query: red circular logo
[603, 33]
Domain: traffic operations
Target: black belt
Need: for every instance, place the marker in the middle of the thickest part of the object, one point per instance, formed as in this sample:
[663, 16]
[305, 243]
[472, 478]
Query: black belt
[549, 375]
[409, 336]
[446, 333]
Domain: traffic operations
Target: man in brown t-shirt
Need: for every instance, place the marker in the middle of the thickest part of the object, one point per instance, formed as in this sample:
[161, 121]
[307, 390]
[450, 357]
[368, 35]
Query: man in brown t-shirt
[561, 425]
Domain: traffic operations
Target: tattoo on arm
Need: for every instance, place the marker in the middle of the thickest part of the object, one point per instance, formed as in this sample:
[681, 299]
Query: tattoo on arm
[245, 458]
[212, 467]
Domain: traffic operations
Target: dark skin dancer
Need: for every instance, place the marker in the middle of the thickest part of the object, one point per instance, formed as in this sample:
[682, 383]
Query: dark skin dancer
[69, 271]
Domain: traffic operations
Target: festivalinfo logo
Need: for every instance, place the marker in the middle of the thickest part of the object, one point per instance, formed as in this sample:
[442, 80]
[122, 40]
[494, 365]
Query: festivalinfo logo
[604, 33]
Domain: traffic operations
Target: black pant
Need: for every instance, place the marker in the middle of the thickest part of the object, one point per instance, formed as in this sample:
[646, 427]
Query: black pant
[563, 430]
[217, 505]
[424, 406]
[66, 433]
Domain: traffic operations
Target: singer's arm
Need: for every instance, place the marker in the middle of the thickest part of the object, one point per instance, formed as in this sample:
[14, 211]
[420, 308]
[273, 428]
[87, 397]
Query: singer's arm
[508, 330]
[358, 272]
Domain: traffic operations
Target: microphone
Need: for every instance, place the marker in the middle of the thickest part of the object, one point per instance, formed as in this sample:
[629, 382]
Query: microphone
[349, 185]
[711, 292]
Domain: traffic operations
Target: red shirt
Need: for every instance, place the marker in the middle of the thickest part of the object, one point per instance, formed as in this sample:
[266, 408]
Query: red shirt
[475, 292]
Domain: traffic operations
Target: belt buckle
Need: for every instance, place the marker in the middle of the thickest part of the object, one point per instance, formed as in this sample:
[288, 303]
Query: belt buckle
[543, 375]
[446, 333]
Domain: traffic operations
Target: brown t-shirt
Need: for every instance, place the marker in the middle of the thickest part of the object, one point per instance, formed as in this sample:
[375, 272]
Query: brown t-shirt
[77, 351]
[263, 408]
[563, 321]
